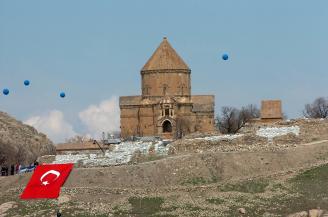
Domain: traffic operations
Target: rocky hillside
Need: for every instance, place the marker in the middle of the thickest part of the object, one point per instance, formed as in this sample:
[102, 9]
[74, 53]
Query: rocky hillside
[21, 143]
[257, 137]
[283, 172]
[291, 182]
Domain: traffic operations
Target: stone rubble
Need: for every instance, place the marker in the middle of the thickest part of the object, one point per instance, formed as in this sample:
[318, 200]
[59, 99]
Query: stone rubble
[219, 138]
[242, 211]
[311, 213]
[271, 132]
[121, 154]
[7, 206]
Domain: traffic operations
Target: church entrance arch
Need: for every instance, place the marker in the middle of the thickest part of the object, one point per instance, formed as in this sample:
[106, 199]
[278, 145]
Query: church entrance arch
[167, 126]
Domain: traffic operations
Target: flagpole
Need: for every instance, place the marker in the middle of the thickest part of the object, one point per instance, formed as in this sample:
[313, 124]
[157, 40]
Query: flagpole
[58, 208]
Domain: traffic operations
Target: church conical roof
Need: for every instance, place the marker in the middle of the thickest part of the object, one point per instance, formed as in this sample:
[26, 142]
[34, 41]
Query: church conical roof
[165, 57]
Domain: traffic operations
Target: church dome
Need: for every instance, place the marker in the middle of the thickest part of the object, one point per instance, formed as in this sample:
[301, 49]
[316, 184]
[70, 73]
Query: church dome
[165, 73]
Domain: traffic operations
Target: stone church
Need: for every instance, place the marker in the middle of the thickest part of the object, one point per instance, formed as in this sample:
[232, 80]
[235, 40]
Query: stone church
[166, 107]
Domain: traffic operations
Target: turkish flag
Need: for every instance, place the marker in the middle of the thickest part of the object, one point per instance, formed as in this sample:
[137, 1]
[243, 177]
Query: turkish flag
[46, 181]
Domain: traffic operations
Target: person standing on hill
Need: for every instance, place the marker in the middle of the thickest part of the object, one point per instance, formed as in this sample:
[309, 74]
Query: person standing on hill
[4, 171]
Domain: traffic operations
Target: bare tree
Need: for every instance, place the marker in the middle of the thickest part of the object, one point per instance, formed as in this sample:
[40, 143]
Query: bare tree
[249, 112]
[76, 139]
[7, 154]
[318, 109]
[232, 119]
[21, 155]
[3, 157]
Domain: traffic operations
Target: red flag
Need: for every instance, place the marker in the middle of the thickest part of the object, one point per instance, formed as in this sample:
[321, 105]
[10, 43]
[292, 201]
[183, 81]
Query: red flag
[46, 181]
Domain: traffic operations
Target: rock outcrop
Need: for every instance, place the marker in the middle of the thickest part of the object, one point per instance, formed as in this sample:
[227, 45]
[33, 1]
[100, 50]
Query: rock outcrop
[20, 143]
[311, 213]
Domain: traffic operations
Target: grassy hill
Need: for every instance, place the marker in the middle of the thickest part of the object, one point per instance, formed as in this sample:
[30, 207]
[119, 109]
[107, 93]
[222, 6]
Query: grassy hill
[207, 184]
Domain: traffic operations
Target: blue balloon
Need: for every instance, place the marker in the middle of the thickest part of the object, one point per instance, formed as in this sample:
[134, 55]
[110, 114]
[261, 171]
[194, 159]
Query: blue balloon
[62, 94]
[5, 91]
[26, 82]
[225, 56]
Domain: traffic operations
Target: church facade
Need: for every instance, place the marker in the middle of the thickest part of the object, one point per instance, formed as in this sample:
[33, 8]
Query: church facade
[166, 107]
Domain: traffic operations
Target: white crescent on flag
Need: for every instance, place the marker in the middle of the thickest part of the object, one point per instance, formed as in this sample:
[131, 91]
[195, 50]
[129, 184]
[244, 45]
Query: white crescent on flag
[56, 173]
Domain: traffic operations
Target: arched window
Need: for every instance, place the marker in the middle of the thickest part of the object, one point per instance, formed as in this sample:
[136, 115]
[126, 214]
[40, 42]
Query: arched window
[167, 127]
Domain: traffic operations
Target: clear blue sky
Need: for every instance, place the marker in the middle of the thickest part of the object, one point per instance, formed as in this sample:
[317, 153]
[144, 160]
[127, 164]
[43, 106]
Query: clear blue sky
[94, 50]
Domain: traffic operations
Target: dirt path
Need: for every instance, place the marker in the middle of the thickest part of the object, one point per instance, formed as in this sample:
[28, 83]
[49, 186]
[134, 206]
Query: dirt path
[316, 142]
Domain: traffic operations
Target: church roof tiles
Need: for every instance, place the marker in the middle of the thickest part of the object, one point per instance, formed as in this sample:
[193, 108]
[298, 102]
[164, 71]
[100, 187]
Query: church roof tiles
[165, 57]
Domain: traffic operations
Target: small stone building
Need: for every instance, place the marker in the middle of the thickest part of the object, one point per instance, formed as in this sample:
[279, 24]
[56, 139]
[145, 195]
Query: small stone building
[271, 110]
[166, 107]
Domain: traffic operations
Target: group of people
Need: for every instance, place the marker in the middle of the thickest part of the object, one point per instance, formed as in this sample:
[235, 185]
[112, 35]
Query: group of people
[17, 169]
